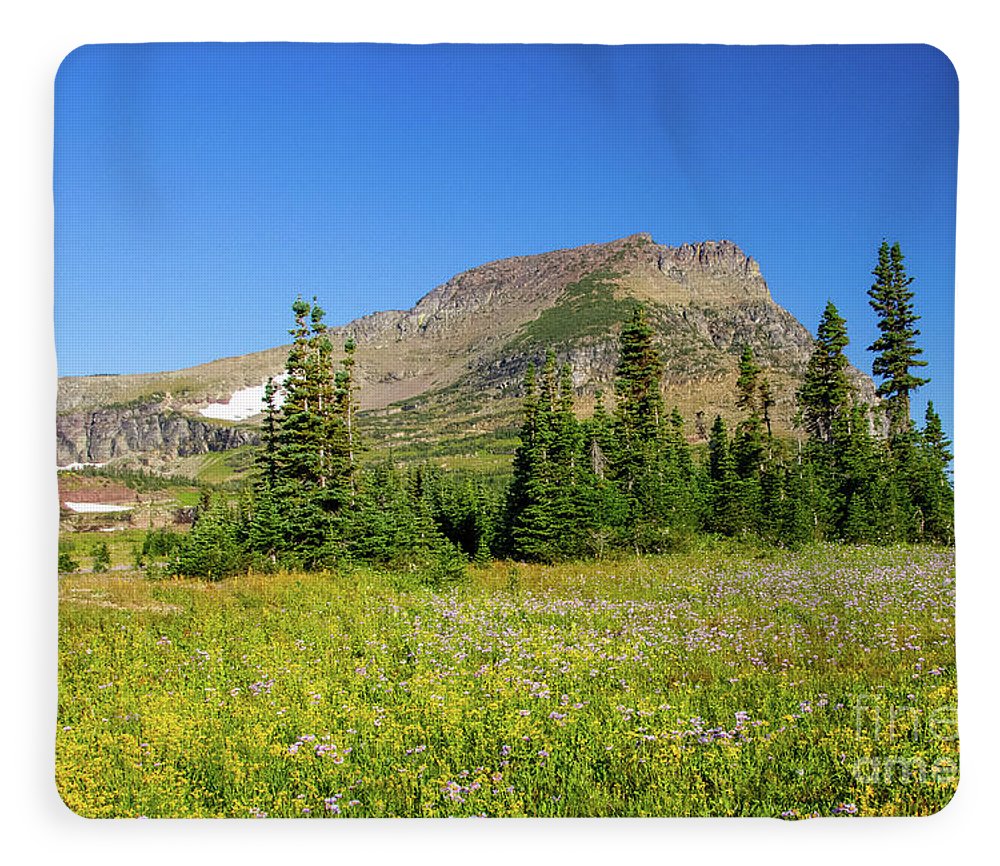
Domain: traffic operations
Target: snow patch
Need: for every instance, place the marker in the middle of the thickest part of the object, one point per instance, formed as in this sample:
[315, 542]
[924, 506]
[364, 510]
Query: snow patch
[70, 466]
[244, 403]
[92, 507]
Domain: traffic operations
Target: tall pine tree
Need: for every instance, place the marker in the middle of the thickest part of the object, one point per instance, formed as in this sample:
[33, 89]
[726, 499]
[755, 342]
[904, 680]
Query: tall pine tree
[825, 392]
[898, 354]
[314, 450]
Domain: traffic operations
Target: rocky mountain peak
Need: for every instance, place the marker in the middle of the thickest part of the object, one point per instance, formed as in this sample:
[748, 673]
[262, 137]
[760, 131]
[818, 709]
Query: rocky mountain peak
[471, 338]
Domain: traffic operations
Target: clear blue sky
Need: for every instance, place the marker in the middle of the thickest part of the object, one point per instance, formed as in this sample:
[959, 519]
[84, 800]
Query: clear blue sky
[200, 187]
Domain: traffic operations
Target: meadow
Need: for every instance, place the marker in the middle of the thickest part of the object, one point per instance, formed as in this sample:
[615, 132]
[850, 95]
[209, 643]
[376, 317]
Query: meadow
[782, 684]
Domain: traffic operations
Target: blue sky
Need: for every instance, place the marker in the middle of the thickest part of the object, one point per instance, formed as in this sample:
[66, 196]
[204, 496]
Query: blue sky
[199, 187]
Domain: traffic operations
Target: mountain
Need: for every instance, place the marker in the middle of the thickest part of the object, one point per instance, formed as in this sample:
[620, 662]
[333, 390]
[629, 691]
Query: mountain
[446, 373]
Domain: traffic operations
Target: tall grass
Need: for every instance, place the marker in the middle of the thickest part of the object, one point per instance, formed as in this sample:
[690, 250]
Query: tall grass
[788, 684]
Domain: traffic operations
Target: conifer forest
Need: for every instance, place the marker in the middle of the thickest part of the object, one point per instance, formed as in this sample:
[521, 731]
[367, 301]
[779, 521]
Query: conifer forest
[624, 480]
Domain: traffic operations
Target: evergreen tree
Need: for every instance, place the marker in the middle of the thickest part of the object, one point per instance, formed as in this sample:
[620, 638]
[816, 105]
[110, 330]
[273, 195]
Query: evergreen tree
[766, 404]
[748, 382]
[866, 497]
[557, 505]
[799, 521]
[825, 392]
[598, 438]
[930, 484]
[463, 507]
[389, 525]
[316, 441]
[300, 436]
[347, 443]
[936, 497]
[574, 505]
[639, 411]
[641, 461]
[265, 532]
[896, 346]
[610, 510]
[718, 449]
[937, 445]
[212, 548]
[102, 557]
[268, 459]
[524, 519]
[728, 496]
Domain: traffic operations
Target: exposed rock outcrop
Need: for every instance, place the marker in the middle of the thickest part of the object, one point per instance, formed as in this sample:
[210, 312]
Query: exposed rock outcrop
[472, 338]
[106, 434]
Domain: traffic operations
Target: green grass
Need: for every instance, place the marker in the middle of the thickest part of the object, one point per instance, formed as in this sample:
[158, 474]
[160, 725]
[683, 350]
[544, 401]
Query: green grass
[588, 308]
[80, 545]
[810, 683]
[218, 467]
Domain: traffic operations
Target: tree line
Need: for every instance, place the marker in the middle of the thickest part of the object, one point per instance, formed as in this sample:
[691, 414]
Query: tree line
[625, 479]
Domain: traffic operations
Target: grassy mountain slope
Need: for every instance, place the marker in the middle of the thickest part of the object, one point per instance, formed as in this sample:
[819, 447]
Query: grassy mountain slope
[444, 377]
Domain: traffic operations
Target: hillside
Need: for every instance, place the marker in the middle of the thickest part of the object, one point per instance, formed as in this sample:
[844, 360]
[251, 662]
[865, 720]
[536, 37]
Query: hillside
[444, 376]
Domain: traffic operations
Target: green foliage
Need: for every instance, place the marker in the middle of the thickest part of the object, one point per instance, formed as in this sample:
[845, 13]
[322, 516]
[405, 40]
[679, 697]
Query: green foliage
[559, 504]
[896, 346]
[161, 542]
[624, 480]
[463, 507]
[825, 391]
[581, 490]
[392, 524]
[102, 557]
[212, 548]
[139, 480]
[67, 564]
[587, 308]
[156, 549]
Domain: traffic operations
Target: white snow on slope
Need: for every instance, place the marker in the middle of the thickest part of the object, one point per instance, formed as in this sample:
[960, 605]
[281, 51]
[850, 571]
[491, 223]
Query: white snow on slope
[244, 403]
[92, 507]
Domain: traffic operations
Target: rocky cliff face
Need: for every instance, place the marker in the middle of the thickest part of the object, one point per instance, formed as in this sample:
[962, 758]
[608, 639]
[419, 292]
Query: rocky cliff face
[509, 292]
[104, 435]
[472, 338]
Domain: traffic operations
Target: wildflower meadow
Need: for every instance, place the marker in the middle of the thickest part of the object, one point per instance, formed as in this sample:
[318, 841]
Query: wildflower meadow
[814, 683]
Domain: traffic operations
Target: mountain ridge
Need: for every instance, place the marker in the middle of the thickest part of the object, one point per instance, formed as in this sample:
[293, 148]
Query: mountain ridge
[469, 340]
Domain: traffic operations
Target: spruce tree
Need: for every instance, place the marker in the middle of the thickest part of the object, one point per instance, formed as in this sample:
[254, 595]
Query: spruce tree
[212, 548]
[102, 557]
[265, 532]
[463, 508]
[896, 346]
[640, 433]
[343, 421]
[557, 506]
[598, 438]
[865, 494]
[639, 411]
[937, 445]
[799, 521]
[392, 525]
[527, 521]
[316, 441]
[748, 445]
[576, 500]
[933, 496]
[718, 449]
[300, 426]
[726, 494]
[747, 382]
[268, 460]
[600, 455]
[825, 392]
